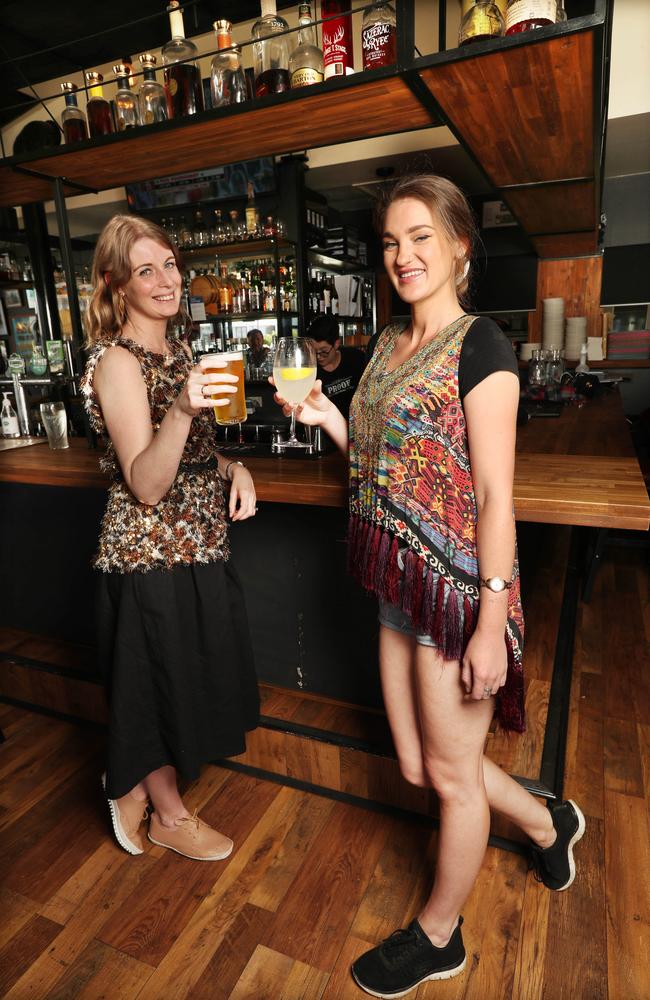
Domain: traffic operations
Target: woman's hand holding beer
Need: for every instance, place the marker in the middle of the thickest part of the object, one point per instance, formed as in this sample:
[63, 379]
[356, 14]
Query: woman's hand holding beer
[207, 389]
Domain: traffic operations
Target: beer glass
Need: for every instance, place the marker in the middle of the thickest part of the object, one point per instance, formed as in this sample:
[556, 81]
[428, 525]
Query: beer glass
[235, 411]
[55, 422]
[294, 373]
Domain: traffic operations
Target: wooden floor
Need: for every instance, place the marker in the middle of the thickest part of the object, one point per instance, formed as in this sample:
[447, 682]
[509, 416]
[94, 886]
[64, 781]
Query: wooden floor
[313, 882]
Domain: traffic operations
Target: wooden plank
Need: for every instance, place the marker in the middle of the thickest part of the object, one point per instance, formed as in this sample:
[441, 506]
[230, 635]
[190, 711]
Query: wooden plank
[525, 112]
[528, 980]
[23, 948]
[628, 897]
[566, 244]
[16, 911]
[272, 974]
[225, 968]
[100, 972]
[578, 281]
[341, 985]
[623, 771]
[565, 208]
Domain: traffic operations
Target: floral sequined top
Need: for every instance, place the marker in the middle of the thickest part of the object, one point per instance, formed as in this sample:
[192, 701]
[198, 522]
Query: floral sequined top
[189, 524]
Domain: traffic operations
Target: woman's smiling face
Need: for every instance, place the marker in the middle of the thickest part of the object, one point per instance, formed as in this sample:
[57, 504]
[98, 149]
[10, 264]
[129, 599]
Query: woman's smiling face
[418, 256]
[154, 288]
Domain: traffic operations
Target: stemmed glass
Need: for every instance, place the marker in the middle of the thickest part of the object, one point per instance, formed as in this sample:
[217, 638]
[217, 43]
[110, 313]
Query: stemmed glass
[294, 373]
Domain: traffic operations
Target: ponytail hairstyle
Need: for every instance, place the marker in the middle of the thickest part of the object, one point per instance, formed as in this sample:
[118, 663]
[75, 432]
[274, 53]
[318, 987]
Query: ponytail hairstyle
[107, 311]
[446, 202]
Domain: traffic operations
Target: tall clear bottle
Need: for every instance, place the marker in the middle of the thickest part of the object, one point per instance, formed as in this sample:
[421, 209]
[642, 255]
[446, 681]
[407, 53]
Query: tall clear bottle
[126, 102]
[98, 110]
[182, 75]
[270, 51]
[306, 60]
[227, 77]
[73, 119]
[483, 20]
[151, 96]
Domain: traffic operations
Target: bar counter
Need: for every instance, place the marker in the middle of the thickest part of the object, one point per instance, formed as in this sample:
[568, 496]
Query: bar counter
[577, 469]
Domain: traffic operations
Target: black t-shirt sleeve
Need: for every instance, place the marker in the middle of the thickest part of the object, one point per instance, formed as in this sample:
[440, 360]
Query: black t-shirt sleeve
[485, 350]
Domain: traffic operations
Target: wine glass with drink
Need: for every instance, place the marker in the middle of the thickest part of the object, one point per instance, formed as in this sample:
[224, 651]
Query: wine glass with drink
[294, 373]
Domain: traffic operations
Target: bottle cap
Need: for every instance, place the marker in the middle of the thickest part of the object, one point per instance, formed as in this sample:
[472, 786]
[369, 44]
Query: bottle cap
[121, 69]
[147, 59]
[69, 87]
[222, 27]
[93, 77]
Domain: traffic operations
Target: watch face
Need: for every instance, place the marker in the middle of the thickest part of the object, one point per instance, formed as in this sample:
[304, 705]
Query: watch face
[496, 584]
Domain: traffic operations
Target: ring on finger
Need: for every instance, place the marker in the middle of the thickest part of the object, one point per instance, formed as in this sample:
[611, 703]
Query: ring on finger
[487, 692]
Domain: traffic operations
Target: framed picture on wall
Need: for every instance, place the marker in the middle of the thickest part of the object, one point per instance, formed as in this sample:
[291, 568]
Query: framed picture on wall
[4, 329]
[12, 298]
[23, 326]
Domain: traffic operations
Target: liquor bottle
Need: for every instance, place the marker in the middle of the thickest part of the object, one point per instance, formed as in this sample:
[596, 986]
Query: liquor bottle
[182, 76]
[126, 104]
[269, 228]
[237, 226]
[218, 232]
[252, 213]
[338, 55]
[482, 20]
[227, 78]
[270, 51]
[322, 296]
[379, 35]
[225, 290]
[98, 110]
[200, 232]
[522, 15]
[561, 12]
[73, 118]
[306, 60]
[255, 292]
[151, 97]
[334, 297]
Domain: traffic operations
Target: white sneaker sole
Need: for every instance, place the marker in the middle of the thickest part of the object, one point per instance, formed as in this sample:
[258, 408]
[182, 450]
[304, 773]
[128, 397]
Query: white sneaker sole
[120, 835]
[192, 857]
[447, 974]
[578, 835]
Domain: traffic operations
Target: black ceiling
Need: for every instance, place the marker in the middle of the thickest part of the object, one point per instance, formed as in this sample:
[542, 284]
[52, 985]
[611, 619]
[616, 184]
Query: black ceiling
[43, 40]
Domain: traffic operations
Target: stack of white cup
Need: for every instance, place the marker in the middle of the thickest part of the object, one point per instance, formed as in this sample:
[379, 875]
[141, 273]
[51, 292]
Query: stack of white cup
[553, 324]
[576, 336]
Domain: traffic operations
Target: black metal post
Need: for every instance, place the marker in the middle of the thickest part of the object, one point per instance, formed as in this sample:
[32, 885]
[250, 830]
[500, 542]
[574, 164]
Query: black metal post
[442, 25]
[38, 245]
[68, 268]
[406, 33]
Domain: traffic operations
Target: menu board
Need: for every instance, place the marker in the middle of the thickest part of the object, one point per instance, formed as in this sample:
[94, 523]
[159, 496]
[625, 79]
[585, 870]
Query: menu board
[218, 184]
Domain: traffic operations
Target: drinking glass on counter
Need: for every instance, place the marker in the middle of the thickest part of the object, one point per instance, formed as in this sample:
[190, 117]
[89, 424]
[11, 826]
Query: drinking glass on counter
[294, 372]
[55, 422]
[235, 411]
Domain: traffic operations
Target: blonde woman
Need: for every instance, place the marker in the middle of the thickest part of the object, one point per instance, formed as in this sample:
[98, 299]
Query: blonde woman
[173, 636]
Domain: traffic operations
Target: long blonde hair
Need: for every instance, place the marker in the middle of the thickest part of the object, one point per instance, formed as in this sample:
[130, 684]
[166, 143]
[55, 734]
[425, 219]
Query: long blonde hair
[107, 311]
[445, 200]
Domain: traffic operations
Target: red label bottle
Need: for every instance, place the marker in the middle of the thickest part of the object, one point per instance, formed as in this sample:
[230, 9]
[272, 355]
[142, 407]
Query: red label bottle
[379, 36]
[522, 15]
[338, 57]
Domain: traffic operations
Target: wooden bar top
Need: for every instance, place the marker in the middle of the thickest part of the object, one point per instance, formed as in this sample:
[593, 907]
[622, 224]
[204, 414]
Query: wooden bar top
[579, 468]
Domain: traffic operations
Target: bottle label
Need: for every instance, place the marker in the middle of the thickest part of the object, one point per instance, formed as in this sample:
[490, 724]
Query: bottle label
[305, 76]
[483, 24]
[377, 41]
[173, 86]
[337, 47]
[530, 10]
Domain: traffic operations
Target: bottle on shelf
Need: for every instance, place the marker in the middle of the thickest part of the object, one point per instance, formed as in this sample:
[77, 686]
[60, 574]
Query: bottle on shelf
[73, 119]
[256, 296]
[252, 213]
[237, 227]
[270, 51]
[98, 110]
[200, 232]
[483, 20]
[338, 55]
[523, 15]
[379, 35]
[226, 291]
[561, 14]
[185, 237]
[182, 75]
[227, 77]
[306, 60]
[269, 228]
[219, 232]
[126, 104]
[151, 96]
[334, 296]
[10, 428]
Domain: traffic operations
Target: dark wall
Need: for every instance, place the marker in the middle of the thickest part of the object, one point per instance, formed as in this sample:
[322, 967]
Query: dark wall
[626, 274]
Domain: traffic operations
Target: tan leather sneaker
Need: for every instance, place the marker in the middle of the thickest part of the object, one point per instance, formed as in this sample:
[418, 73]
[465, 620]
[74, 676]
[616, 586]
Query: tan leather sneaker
[127, 815]
[190, 837]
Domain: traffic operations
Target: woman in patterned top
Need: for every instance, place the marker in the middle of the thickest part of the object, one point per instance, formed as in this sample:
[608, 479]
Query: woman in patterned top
[173, 637]
[431, 442]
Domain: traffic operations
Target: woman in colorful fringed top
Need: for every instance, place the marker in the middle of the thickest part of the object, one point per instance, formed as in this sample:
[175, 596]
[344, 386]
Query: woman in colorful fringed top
[431, 441]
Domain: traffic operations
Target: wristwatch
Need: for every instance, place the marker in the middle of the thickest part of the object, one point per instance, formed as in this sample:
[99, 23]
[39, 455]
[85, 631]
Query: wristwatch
[495, 583]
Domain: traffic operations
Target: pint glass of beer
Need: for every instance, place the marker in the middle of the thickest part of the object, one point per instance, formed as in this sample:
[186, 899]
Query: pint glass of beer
[235, 411]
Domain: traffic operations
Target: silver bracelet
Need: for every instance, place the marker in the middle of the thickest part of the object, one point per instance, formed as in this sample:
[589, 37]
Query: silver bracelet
[232, 462]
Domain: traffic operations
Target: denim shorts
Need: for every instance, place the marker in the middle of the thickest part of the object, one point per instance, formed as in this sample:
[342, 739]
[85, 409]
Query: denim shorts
[394, 618]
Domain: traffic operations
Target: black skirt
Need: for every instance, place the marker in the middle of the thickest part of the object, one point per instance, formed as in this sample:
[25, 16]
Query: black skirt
[176, 656]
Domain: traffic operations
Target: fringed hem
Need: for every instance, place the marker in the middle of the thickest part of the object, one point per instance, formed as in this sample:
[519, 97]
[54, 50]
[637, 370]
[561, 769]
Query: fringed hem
[432, 604]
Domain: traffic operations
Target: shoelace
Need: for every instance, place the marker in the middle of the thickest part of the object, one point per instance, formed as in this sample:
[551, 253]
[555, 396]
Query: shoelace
[399, 945]
[535, 862]
[194, 818]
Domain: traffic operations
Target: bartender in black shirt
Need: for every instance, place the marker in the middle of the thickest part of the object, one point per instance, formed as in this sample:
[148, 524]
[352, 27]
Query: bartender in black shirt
[339, 368]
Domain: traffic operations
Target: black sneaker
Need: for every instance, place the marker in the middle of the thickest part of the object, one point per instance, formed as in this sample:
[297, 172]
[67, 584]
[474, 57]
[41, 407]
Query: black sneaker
[406, 959]
[554, 865]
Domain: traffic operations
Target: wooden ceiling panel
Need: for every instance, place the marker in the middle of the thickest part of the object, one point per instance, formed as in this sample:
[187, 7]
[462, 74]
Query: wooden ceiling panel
[525, 112]
[560, 208]
[378, 107]
[566, 244]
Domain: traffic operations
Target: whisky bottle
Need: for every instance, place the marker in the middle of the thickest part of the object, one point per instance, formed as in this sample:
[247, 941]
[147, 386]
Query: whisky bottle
[98, 110]
[151, 97]
[338, 56]
[225, 290]
[306, 60]
[379, 35]
[482, 20]
[126, 104]
[182, 76]
[227, 78]
[73, 118]
[523, 15]
[270, 51]
[252, 214]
